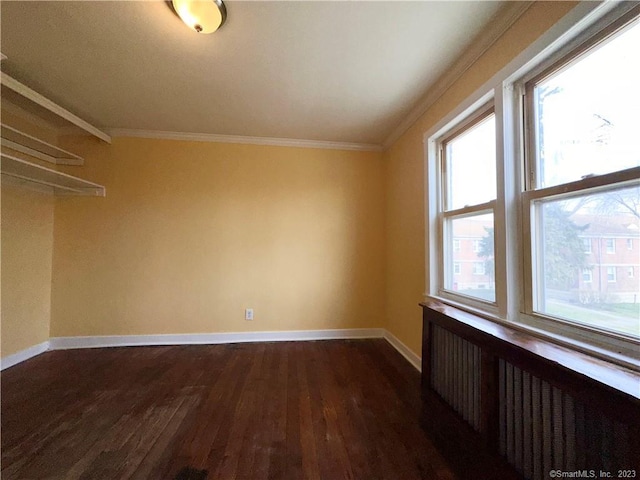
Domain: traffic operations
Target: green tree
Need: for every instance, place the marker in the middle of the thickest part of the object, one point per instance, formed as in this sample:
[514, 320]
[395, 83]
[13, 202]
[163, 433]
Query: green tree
[563, 255]
[563, 252]
[487, 251]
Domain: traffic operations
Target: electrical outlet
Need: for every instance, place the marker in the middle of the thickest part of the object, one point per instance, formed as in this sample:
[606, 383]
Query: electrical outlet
[248, 313]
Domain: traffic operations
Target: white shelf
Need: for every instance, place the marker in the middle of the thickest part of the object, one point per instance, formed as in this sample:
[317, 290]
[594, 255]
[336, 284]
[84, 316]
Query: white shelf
[32, 99]
[25, 143]
[61, 183]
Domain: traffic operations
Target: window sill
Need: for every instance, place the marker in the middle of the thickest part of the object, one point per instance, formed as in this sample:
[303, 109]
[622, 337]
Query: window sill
[527, 344]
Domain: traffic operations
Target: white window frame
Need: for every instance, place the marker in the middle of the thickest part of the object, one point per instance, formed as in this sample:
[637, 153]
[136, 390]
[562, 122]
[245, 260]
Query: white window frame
[589, 273]
[474, 117]
[479, 269]
[586, 242]
[630, 272]
[629, 243]
[612, 278]
[505, 89]
[610, 242]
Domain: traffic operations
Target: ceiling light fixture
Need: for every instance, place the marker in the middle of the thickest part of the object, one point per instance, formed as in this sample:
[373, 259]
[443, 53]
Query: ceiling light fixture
[202, 16]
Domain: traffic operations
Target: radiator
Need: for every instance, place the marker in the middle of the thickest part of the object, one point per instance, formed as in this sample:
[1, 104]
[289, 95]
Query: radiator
[543, 428]
[456, 374]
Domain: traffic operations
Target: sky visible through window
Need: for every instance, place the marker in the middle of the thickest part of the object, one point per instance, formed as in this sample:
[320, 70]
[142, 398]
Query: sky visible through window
[472, 164]
[589, 113]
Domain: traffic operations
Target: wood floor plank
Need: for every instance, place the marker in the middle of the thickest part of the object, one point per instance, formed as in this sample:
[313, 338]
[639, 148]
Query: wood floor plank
[207, 422]
[237, 448]
[333, 439]
[155, 460]
[276, 419]
[310, 462]
[290, 410]
[255, 455]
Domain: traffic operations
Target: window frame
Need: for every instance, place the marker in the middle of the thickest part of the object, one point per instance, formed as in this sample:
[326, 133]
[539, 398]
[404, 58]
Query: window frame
[587, 185]
[457, 268]
[445, 216]
[479, 269]
[610, 242]
[597, 184]
[506, 90]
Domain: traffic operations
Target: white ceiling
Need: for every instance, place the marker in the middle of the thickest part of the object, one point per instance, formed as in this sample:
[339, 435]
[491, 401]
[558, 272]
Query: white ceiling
[314, 70]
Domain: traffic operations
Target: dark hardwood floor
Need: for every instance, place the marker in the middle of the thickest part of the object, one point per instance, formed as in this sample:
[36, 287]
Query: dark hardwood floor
[293, 410]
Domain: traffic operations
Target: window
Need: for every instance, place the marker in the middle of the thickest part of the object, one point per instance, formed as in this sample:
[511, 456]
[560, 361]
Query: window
[478, 268]
[467, 162]
[540, 177]
[582, 156]
[611, 245]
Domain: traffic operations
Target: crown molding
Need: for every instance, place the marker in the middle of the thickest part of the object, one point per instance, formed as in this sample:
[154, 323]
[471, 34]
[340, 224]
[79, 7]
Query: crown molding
[498, 26]
[214, 138]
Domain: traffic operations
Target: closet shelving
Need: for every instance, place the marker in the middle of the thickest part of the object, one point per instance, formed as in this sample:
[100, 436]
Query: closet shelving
[25, 143]
[61, 183]
[30, 173]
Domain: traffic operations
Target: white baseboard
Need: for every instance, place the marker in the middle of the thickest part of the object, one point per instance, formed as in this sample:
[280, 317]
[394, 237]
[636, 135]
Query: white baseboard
[22, 355]
[63, 343]
[405, 351]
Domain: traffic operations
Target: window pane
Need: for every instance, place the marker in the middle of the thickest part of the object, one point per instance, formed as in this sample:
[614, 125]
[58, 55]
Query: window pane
[471, 165]
[587, 114]
[589, 286]
[467, 271]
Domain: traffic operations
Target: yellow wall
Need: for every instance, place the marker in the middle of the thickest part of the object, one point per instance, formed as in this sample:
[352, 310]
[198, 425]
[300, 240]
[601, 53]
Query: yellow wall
[192, 233]
[405, 175]
[27, 247]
